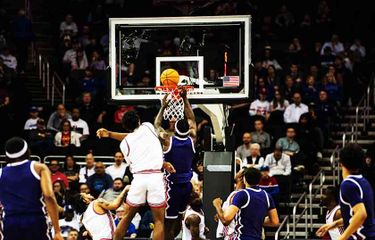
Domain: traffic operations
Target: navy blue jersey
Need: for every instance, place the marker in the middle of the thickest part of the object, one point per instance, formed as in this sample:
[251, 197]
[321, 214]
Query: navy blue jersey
[254, 204]
[180, 154]
[20, 191]
[353, 190]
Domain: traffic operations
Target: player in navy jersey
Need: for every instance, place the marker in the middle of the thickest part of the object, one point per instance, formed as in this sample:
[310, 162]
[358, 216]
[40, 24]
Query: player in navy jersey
[23, 186]
[356, 198]
[252, 208]
[179, 153]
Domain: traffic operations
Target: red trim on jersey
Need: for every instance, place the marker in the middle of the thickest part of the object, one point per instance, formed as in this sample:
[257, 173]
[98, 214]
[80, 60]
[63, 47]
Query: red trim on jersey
[148, 171]
[134, 204]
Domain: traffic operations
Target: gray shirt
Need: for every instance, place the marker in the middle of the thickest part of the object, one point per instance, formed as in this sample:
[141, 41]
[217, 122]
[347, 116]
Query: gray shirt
[263, 139]
[109, 195]
[54, 121]
[288, 145]
[242, 152]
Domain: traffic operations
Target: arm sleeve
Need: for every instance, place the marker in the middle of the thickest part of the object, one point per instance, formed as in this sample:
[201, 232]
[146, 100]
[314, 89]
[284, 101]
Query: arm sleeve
[82, 178]
[351, 192]
[86, 129]
[240, 199]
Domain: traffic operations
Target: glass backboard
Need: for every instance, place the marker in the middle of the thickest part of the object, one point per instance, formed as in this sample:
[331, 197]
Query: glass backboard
[211, 54]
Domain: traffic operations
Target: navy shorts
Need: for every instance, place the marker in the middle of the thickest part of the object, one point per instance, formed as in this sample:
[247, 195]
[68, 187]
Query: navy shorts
[178, 199]
[26, 228]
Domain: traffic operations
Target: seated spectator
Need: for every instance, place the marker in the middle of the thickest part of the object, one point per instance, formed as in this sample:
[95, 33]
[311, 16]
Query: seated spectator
[310, 90]
[59, 191]
[260, 106]
[255, 158]
[243, 151]
[73, 234]
[8, 59]
[71, 171]
[335, 45]
[134, 224]
[66, 137]
[269, 183]
[121, 110]
[88, 170]
[70, 56]
[97, 63]
[288, 144]
[54, 121]
[295, 110]
[68, 26]
[269, 59]
[84, 188]
[79, 125]
[295, 74]
[93, 46]
[40, 139]
[120, 169]
[80, 62]
[69, 223]
[56, 175]
[284, 19]
[146, 226]
[325, 112]
[99, 181]
[333, 89]
[272, 78]
[289, 88]
[327, 58]
[278, 103]
[84, 37]
[358, 49]
[88, 82]
[260, 136]
[31, 123]
[113, 192]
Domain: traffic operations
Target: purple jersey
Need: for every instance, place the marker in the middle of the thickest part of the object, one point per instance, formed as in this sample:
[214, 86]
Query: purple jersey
[353, 190]
[180, 154]
[254, 204]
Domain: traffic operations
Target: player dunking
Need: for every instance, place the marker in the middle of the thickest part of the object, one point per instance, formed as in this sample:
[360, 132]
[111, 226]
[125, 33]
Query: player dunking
[23, 186]
[356, 199]
[143, 152]
[179, 151]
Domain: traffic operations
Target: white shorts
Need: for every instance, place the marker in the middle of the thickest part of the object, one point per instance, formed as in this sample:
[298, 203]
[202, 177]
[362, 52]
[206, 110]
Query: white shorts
[147, 187]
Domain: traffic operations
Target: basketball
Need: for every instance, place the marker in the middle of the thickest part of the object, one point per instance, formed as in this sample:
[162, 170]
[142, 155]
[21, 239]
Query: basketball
[169, 77]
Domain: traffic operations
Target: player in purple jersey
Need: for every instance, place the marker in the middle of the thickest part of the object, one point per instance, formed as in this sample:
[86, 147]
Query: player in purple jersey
[26, 193]
[252, 208]
[178, 153]
[356, 198]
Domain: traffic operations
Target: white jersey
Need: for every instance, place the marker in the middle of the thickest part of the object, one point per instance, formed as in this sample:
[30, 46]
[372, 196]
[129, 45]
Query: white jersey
[336, 232]
[100, 226]
[186, 234]
[222, 231]
[142, 150]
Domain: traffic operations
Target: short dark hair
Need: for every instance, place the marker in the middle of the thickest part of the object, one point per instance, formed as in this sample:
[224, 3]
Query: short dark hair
[333, 193]
[182, 126]
[252, 176]
[118, 179]
[130, 120]
[13, 145]
[352, 157]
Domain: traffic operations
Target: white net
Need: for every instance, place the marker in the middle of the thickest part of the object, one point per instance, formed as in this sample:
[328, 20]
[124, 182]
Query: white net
[175, 108]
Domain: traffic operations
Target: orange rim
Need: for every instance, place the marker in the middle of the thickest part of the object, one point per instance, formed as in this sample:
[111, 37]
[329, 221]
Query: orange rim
[173, 89]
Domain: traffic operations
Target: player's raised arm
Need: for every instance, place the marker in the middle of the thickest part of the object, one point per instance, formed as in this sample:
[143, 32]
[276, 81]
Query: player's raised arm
[49, 197]
[159, 117]
[189, 115]
[116, 203]
[104, 133]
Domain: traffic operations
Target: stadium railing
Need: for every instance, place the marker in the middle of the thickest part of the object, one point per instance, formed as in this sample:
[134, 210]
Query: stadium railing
[284, 223]
[335, 166]
[107, 160]
[304, 212]
[321, 177]
[32, 157]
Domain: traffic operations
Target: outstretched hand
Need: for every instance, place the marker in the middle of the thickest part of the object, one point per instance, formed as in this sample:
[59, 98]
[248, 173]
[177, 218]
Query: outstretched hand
[165, 101]
[102, 133]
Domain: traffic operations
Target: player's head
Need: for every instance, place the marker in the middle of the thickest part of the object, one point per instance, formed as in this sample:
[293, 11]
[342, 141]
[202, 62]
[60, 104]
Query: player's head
[16, 149]
[130, 121]
[81, 201]
[196, 202]
[330, 197]
[352, 158]
[252, 176]
[182, 128]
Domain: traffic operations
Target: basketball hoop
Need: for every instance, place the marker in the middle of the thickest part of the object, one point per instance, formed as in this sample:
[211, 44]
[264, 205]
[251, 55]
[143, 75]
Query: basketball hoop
[175, 108]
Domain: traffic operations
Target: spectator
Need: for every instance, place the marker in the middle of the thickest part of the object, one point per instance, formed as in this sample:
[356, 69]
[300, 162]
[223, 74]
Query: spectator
[269, 59]
[310, 90]
[269, 183]
[68, 26]
[295, 110]
[23, 34]
[119, 169]
[70, 56]
[260, 106]
[73, 234]
[8, 59]
[88, 170]
[99, 181]
[146, 225]
[84, 188]
[327, 58]
[84, 38]
[79, 125]
[97, 63]
[295, 74]
[122, 109]
[80, 62]
[31, 123]
[272, 78]
[93, 46]
[289, 88]
[285, 18]
[358, 49]
[54, 121]
[71, 171]
[113, 192]
[288, 144]
[243, 151]
[40, 139]
[255, 158]
[88, 82]
[332, 88]
[59, 191]
[133, 227]
[260, 136]
[66, 137]
[69, 223]
[278, 103]
[325, 113]
[335, 45]
[56, 175]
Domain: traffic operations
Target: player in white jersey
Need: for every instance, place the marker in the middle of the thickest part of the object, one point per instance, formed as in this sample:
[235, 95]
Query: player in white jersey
[143, 152]
[97, 217]
[330, 200]
[193, 226]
